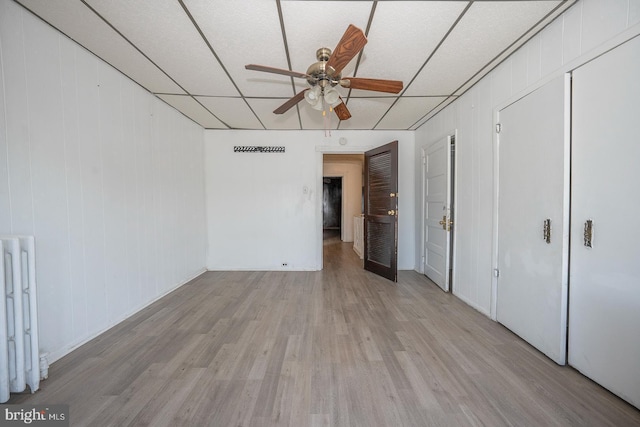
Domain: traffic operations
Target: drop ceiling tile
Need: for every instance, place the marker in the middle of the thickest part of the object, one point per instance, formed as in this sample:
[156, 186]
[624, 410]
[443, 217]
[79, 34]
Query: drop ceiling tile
[78, 22]
[232, 111]
[310, 25]
[402, 36]
[517, 44]
[163, 31]
[264, 109]
[240, 37]
[196, 112]
[365, 112]
[407, 111]
[483, 33]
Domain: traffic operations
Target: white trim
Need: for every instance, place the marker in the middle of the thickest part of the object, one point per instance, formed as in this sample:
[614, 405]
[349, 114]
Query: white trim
[454, 202]
[494, 241]
[339, 149]
[321, 150]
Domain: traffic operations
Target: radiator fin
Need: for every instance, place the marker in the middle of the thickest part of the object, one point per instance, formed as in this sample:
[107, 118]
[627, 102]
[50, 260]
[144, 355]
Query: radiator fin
[19, 351]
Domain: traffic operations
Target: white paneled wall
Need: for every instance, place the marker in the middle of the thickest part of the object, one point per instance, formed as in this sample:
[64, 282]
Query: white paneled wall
[108, 179]
[266, 209]
[586, 30]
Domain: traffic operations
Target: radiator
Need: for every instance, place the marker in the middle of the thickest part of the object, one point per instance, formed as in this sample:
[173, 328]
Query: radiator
[19, 358]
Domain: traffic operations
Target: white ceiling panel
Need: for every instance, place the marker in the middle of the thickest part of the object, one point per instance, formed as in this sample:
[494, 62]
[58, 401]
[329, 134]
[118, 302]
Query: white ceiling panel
[310, 25]
[407, 111]
[485, 30]
[438, 49]
[399, 54]
[365, 112]
[79, 23]
[233, 111]
[196, 112]
[162, 30]
[264, 109]
[225, 26]
[504, 55]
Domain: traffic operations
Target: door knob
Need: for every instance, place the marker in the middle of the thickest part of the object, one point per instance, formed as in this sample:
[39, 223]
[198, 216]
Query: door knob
[392, 212]
[445, 223]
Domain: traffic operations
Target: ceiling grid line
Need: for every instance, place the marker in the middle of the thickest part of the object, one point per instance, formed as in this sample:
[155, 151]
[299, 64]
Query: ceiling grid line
[438, 48]
[286, 51]
[213, 52]
[355, 71]
[484, 70]
[425, 62]
[151, 61]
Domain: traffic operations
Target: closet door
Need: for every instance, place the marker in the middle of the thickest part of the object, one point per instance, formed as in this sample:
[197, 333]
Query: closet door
[604, 303]
[533, 216]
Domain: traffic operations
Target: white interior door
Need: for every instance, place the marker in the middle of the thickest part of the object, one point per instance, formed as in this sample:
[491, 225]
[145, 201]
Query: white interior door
[604, 307]
[437, 211]
[533, 186]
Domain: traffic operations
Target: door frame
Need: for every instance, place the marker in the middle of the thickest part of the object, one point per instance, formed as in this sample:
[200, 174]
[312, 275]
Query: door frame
[320, 152]
[454, 201]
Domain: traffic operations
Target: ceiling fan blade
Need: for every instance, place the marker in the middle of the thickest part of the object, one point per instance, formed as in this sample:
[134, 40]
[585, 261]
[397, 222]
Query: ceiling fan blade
[349, 45]
[273, 70]
[290, 103]
[342, 111]
[390, 86]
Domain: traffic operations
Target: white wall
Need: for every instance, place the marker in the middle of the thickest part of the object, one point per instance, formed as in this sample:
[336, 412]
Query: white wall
[351, 173]
[107, 178]
[266, 209]
[586, 30]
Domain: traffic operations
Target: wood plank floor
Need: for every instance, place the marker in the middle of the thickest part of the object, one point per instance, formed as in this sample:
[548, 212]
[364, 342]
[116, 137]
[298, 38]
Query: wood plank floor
[339, 347]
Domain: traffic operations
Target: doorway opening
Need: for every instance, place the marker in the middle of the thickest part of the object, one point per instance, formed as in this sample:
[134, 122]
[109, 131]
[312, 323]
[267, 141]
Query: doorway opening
[341, 209]
[331, 208]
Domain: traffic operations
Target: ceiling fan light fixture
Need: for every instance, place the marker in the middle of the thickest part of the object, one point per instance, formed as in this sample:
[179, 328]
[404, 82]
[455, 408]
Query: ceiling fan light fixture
[318, 106]
[323, 75]
[313, 95]
[331, 96]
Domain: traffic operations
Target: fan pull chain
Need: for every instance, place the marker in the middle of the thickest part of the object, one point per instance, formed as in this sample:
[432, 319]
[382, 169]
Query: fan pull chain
[327, 121]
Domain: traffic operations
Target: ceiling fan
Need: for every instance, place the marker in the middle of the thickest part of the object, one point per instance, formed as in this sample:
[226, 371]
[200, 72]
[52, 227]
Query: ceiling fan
[325, 74]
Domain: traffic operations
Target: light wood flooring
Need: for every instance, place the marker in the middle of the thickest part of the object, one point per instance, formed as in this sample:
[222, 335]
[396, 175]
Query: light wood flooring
[338, 347]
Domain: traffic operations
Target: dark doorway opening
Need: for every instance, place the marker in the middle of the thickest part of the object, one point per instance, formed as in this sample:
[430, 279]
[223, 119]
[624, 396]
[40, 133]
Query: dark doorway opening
[332, 207]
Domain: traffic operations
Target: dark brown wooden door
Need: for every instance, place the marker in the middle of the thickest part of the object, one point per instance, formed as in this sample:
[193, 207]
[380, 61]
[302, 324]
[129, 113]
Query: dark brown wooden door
[381, 211]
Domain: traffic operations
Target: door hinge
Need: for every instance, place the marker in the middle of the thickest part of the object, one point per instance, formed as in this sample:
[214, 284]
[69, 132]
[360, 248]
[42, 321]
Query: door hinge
[496, 272]
[498, 127]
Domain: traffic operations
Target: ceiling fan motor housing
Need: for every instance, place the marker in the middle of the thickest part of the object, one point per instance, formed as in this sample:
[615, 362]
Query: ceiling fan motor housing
[321, 74]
